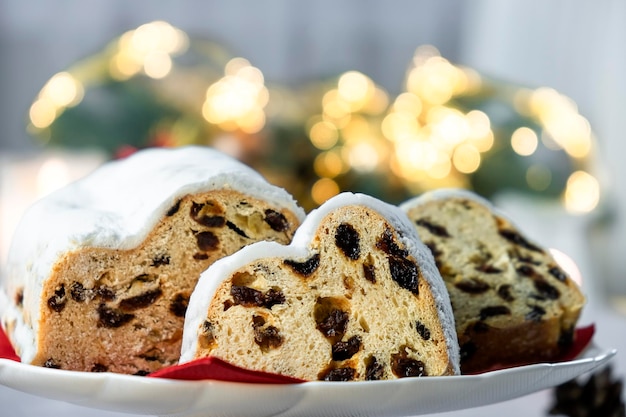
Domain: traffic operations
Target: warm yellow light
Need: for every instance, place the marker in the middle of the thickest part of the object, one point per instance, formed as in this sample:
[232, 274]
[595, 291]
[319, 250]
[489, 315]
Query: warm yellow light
[403, 164]
[559, 116]
[328, 164]
[582, 192]
[572, 132]
[449, 126]
[548, 104]
[252, 121]
[150, 47]
[157, 64]
[237, 100]
[435, 80]
[123, 66]
[42, 113]
[399, 125]
[466, 158]
[333, 107]
[483, 144]
[415, 157]
[158, 36]
[363, 157]
[355, 88]
[441, 168]
[408, 103]
[323, 189]
[522, 101]
[63, 90]
[377, 103]
[235, 65]
[479, 125]
[472, 80]
[357, 129]
[538, 177]
[323, 135]
[524, 141]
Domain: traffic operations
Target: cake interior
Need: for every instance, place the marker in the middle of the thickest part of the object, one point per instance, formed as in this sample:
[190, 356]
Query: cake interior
[512, 302]
[356, 308]
[122, 311]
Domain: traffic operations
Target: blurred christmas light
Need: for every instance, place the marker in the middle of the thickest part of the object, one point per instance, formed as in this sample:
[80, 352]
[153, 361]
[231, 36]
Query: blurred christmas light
[524, 141]
[148, 48]
[157, 64]
[42, 113]
[323, 135]
[323, 189]
[582, 193]
[63, 90]
[466, 158]
[236, 101]
[449, 126]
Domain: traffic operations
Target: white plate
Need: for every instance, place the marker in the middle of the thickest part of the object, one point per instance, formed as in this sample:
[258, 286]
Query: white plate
[403, 397]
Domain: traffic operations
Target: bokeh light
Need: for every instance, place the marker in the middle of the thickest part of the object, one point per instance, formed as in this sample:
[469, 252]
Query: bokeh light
[448, 126]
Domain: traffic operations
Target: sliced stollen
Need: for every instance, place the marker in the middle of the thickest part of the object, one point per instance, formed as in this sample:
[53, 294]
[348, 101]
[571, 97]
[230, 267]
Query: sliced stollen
[100, 272]
[512, 302]
[355, 296]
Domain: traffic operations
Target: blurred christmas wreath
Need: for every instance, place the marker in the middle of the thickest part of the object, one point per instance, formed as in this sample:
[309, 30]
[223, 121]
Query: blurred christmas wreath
[449, 125]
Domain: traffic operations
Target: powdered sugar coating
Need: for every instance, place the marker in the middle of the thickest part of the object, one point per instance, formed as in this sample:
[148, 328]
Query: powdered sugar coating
[115, 207]
[299, 249]
[445, 193]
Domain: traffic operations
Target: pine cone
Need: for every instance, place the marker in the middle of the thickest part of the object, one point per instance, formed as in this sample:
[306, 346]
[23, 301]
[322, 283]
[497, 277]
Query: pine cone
[598, 396]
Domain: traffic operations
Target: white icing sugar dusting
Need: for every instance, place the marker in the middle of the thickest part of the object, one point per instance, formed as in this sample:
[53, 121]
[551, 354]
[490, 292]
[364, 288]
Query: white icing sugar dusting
[299, 249]
[446, 193]
[115, 207]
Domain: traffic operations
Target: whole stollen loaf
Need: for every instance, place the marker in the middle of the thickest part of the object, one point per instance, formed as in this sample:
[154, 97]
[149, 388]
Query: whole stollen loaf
[100, 272]
[512, 302]
[355, 296]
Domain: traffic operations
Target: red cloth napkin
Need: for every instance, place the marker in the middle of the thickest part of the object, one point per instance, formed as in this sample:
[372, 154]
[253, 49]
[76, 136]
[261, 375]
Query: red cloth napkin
[6, 350]
[214, 368]
[217, 369]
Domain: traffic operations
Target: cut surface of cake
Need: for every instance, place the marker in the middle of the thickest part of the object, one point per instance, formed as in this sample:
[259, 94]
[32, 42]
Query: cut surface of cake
[512, 302]
[100, 272]
[355, 296]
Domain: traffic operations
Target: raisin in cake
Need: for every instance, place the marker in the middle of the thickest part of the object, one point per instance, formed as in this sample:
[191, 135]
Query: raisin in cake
[355, 296]
[512, 302]
[100, 272]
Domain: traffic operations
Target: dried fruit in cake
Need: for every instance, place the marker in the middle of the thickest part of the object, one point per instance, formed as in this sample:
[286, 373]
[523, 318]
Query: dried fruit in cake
[355, 296]
[512, 302]
[100, 272]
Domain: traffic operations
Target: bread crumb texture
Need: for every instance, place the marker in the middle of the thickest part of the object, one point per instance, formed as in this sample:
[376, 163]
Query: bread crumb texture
[356, 308]
[123, 310]
[512, 302]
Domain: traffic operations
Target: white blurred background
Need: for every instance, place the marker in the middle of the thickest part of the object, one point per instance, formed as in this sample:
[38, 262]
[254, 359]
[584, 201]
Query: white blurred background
[574, 46]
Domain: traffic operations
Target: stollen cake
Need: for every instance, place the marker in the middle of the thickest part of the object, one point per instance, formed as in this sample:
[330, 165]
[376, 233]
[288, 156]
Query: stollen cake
[100, 272]
[355, 296]
[512, 302]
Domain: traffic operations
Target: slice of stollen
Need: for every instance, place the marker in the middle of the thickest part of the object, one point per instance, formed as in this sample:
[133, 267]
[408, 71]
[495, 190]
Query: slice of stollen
[100, 272]
[355, 296]
[512, 302]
